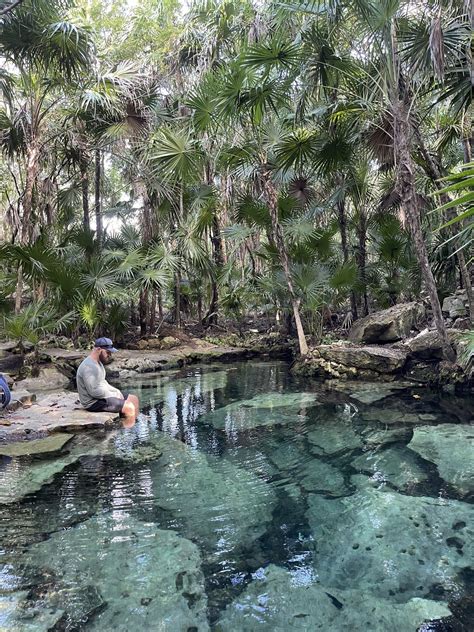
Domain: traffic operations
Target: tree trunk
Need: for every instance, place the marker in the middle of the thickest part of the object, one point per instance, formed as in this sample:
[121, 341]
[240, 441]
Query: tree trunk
[160, 304]
[85, 193]
[433, 170]
[342, 219]
[142, 310]
[32, 170]
[177, 300]
[407, 192]
[152, 315]
[362, 258]
[272, 201]
[97, 205]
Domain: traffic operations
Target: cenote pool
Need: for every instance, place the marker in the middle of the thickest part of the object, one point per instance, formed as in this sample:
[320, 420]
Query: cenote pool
[246, 499]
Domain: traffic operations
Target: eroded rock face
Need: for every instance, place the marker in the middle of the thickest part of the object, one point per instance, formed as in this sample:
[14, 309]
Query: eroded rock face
[378, 359]
[451, 448]
[144, 576]
[388, 325]
[455, 306]
[278, 600]
[382, 541]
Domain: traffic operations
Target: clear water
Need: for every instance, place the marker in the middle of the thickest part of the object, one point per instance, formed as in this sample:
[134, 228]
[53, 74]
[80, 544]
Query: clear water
[246, 499]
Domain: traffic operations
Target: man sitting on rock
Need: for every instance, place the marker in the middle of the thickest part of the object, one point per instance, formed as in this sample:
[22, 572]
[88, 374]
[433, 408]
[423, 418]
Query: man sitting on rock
[95, 393]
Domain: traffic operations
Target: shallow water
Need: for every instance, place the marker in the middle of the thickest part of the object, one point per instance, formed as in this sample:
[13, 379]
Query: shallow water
[246, 499]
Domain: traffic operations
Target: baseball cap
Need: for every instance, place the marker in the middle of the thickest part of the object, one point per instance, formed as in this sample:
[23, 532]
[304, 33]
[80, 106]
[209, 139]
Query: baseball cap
[105, 343]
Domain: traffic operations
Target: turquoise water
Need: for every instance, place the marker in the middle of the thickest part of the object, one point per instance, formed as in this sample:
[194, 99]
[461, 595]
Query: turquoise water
[246, 499]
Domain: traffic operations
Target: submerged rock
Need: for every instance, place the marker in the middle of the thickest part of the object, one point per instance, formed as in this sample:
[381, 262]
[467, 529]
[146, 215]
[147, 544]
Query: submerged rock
[262, 410]
[391, 545]
[322, 478]
[451, 448]
[278, 600]
[395, 416]
[389, 325]
[144, 576]
[330, 438]
[19, 480]
[221, 506]
[395, 465]
[367, 392]
[19, 614]
[48, 445]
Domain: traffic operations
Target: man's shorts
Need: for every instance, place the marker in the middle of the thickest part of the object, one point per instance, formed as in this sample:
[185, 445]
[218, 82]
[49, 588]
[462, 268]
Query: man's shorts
[108, 405]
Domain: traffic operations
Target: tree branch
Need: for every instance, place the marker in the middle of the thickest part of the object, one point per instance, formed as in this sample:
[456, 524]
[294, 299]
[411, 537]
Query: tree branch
[10, 7]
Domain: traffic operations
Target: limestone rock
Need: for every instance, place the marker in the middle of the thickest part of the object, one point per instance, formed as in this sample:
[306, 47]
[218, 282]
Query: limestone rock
[242, 503]
[49, 379]
[21, 615]
[262, 410]
[17, 482]
[48, 445]
[454, 306]
[12, 363]
[451, 448]
[383, 542]
[389, 325]
[322, 478]
[21, 399]
[396, 465]
[331, 438]
[395, 416]
[427, 345]
[378, 359]
[57, 412]
[278, 600]
[145, 576]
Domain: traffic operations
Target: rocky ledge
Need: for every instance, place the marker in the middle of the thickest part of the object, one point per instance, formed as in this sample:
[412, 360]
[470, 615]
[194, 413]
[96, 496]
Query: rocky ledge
[397, 350]
[57, 413]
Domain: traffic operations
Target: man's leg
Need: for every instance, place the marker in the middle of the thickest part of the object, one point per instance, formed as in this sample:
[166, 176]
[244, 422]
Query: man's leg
[130, 411]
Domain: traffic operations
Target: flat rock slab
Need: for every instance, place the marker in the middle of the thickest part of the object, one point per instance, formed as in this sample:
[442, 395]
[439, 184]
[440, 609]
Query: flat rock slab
[48, 445]
[379, 359]
[451, 448]
[368, 392]
[55, 413]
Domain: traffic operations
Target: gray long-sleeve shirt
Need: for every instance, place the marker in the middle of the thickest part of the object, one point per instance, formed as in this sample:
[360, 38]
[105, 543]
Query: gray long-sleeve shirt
[91, 383]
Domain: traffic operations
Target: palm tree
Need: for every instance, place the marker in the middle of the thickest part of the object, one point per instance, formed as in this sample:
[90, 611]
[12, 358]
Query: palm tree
[42, 44]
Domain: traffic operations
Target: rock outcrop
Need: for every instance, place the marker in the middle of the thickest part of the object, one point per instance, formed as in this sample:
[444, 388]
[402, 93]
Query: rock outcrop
[389, 325]
[456, 305]
[353, 362]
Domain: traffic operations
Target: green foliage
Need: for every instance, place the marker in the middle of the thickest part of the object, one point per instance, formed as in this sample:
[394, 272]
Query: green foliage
[35, 321]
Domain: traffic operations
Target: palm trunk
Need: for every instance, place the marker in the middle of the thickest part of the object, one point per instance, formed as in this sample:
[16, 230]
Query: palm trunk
[160, 305]
[433, 170]
[142, 310]
[217, 254]
[177, 300]
[272, 201]
[97, 205]
[85, 193]
[407, 192]
[342, 219]
[152, 315]
[32, 170]
[362, 258]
